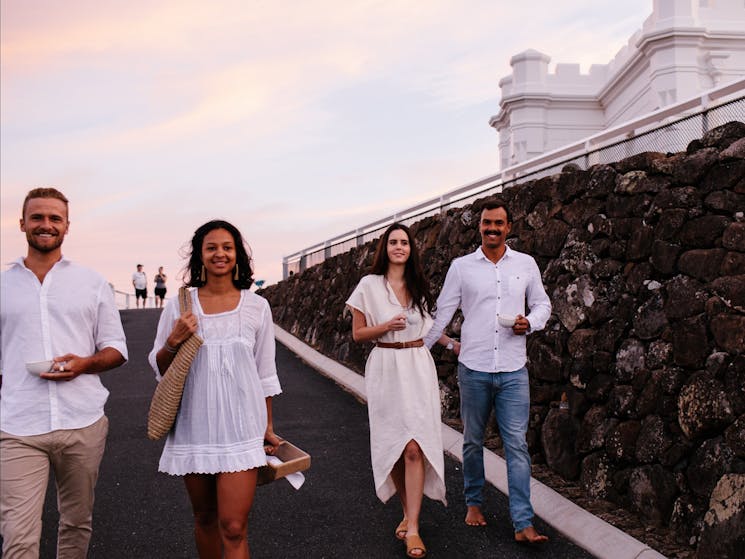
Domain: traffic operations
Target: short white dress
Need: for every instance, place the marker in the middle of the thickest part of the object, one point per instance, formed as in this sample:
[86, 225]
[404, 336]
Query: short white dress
[222, 420]
[403, 394]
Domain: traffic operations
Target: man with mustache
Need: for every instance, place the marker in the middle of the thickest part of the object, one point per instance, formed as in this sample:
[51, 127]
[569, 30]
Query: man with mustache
[52, 310]
[494, 280]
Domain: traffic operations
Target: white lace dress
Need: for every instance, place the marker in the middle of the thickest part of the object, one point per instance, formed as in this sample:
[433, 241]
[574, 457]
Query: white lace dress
[222, 419]
[403, 394]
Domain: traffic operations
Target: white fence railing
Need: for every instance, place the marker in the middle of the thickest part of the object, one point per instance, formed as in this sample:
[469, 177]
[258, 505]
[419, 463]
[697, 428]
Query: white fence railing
[668, 129]
[126, 300]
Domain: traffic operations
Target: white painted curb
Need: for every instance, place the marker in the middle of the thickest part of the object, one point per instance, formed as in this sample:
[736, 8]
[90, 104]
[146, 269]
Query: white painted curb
[575, 523]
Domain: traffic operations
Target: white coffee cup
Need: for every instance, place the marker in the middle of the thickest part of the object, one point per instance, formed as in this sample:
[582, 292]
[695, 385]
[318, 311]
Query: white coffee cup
[39, 367]
[506, 320]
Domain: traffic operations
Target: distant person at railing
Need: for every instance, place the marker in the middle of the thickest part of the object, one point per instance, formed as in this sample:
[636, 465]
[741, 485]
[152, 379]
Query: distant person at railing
[160, 287]
[391, 307]
[491, 286]
[59, 322]
[139, 282]
[225, 420]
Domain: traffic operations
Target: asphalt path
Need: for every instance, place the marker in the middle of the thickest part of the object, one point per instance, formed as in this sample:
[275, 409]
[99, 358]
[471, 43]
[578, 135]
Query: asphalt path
[142, 514]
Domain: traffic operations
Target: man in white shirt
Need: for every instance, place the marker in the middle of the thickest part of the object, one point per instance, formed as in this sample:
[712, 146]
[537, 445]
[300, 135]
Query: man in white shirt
[492, 281]
[52, 310]
[139, 282]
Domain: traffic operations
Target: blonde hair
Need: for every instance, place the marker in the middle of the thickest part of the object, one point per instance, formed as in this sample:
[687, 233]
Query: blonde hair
[44, 192]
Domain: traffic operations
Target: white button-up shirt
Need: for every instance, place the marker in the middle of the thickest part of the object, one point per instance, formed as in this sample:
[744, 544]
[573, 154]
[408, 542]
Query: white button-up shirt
[73, 311]
[484, 290]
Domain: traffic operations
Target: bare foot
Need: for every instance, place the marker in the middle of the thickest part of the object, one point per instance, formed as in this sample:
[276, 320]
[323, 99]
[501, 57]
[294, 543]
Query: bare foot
[530, 535]
[474, 516]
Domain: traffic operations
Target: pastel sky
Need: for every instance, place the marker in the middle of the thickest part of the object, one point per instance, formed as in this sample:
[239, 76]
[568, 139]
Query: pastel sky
[297, 120]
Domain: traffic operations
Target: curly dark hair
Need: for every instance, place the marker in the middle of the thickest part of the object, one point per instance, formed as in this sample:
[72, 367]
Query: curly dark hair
[416, 282]
[192, 272]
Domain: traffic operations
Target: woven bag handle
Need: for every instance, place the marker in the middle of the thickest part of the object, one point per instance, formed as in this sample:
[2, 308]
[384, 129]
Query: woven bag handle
[184, 299]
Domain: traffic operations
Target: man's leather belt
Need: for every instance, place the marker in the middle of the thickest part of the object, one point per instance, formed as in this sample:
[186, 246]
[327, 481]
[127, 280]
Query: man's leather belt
[400, 345]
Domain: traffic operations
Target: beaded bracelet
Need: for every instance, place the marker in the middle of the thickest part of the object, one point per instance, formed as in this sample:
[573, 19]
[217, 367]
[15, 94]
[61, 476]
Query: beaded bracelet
[170, 349]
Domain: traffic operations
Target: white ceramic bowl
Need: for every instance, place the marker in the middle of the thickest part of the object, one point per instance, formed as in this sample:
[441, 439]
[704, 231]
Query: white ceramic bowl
[38, 367]
[506, 320]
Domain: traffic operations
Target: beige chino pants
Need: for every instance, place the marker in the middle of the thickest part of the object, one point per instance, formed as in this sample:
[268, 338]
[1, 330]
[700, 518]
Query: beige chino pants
[75, 456]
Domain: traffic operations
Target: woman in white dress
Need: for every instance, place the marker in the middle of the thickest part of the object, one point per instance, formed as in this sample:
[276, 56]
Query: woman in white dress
[225, 419]
[391, 307]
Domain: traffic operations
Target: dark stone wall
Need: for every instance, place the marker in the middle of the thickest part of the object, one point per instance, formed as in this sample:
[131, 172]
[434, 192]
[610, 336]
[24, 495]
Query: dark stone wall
[644, 261]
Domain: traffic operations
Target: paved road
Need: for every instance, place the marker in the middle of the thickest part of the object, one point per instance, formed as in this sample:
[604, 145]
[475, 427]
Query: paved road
[141, 514]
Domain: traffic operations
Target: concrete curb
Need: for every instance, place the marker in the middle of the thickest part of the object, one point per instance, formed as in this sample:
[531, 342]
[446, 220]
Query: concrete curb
[584, 529]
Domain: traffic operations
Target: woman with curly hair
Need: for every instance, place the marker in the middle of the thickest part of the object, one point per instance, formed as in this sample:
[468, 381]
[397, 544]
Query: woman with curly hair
[218, 439]
[391, 307]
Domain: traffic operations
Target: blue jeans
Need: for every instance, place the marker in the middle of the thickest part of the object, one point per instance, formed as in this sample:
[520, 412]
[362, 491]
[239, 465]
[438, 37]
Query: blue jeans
[509, 394]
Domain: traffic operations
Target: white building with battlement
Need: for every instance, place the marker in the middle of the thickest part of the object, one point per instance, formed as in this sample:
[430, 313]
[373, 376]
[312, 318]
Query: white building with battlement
[683, 49]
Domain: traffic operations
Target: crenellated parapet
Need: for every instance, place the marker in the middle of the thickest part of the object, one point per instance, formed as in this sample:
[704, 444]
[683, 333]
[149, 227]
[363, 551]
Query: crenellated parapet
[684, 48]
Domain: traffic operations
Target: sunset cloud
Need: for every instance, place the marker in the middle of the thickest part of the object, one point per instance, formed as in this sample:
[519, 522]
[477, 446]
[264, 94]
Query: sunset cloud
[296, 120]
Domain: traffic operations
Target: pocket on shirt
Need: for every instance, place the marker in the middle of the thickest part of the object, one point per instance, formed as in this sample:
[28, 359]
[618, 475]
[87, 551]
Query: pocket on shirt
[516, 285]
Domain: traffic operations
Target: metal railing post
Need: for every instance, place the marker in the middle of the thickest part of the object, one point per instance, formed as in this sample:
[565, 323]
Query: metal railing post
[705, 101]
[444, 203]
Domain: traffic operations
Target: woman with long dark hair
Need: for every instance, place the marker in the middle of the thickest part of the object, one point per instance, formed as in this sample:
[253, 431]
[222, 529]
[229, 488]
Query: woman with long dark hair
[391, 307]
[218, 440]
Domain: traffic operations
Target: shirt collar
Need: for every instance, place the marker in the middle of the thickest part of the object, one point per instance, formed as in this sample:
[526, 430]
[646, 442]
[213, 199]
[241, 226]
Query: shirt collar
[479, 254]
[20, 261]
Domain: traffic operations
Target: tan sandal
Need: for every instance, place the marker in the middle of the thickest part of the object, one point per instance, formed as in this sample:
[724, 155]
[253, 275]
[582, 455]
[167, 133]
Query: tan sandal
[415, 542]
[401, 529]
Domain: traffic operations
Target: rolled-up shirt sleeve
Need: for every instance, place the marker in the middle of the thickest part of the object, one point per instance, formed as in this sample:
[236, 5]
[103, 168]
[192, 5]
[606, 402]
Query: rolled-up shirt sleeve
[108, 327]
[539, 304]
[447, 303]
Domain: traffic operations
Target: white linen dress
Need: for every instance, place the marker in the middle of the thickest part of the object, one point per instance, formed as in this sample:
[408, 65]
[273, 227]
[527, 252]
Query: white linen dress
[222, 420]
[403, 395]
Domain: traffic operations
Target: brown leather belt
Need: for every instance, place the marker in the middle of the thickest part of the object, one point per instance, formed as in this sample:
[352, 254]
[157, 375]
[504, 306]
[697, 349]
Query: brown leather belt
[400, 345]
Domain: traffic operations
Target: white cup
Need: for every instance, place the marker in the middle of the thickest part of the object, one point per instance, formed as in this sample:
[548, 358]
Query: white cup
[506, 320]
[39, 367]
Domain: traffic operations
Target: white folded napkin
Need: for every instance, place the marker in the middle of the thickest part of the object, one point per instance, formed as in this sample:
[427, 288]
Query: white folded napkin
[296, 479]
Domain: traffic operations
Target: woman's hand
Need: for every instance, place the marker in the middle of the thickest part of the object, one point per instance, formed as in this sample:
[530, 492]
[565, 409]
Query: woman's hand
[395, 324]
[183, 328]
[271, 441]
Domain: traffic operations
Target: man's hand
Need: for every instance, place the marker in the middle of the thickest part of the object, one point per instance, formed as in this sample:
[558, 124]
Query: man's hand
[522, 326]
[67, 367]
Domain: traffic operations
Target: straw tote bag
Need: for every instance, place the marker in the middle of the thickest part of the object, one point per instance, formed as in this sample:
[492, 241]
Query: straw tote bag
[167, 397]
